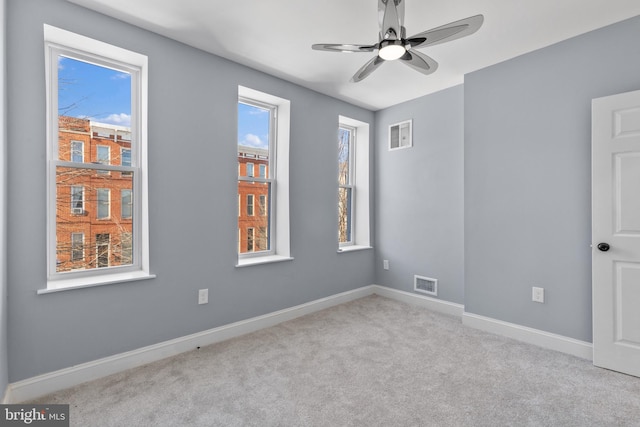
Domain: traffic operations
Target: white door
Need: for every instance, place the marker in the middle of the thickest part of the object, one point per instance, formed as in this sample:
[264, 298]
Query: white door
[615, 149]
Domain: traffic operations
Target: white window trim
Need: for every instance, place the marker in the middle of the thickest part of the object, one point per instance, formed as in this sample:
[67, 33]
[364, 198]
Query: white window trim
[87, 49]
[280, 232]
[361, 231]
[82, 152]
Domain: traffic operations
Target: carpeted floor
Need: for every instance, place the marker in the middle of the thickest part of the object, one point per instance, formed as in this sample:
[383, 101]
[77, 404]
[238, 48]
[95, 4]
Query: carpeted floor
[370, 362]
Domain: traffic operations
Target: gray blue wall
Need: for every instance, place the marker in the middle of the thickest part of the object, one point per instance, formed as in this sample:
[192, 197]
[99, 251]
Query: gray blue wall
[192, 193]
[519, 133]
[528, 177]
[419, 195]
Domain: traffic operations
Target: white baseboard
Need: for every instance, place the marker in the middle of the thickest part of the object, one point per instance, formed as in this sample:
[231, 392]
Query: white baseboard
[433, 304]
[35, 387]
[537, 337]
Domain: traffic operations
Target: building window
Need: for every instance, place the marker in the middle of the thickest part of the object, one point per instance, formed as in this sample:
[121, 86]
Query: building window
[126, 205]
[103, 156]
[346, 186]
[77, 246]
[250, 169]
[77, 200]
[104, 205]
[102, 250]
[263, 137]
[79, 68]
[250, 204]
[353, 184]
[262, 204]
[77, 151]
[125, 159]
[251, 237]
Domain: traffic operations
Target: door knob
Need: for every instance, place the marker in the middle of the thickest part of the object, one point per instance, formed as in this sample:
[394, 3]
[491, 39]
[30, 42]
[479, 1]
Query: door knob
[604, 247]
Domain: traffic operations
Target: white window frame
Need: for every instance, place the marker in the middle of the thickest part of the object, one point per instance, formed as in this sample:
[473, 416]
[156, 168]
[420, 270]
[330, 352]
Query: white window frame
[360, 202]
[250, 169]
[278, 175]
[251, 209]
[62, 42]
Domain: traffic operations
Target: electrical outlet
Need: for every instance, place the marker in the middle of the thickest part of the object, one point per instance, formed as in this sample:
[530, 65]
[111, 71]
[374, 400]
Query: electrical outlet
[203, 296]
[385, 264]
[537, 294]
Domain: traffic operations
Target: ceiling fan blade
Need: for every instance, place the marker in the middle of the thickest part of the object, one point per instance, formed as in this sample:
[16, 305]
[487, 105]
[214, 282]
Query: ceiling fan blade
[419, 62]
[367, 69]
[448, 32]
[390, 19]
[330, 47]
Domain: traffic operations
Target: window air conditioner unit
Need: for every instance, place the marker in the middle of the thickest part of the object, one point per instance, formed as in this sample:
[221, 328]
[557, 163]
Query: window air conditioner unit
[78, 211]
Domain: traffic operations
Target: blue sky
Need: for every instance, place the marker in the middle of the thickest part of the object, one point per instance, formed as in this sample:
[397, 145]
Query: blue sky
[104, 95]
[90, 91]
[253, 126]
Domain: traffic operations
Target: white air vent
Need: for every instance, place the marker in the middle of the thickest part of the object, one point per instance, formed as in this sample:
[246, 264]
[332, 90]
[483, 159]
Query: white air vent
[425, 285]
[400, 135]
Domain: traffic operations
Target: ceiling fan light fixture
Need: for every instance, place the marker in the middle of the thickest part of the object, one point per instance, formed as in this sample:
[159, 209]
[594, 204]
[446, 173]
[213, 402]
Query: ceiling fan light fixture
[391, 50]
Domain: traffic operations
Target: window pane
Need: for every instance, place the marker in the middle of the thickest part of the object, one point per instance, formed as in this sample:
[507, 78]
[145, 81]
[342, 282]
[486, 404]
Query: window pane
[344, 214]
[88, 193]
[344, 156]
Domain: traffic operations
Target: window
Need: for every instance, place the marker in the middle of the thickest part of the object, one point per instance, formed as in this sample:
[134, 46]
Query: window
[125, 159]
[102, 250]
[84, 77]
[126, 206]
[263, 136]
[353, 185]
[104, 194]
[249, 169]
[262, 204]
[250, 204]
[77, 151]
[251, 236]
[103, 157]
[77, 246]
[77, 199]
[346, 137]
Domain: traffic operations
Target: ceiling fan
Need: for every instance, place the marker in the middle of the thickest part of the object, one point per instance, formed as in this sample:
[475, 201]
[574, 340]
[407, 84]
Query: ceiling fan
[393, 43]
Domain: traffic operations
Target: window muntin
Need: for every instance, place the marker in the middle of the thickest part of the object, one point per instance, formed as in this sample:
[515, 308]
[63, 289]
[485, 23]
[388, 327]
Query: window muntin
[346, 187]
[102, 64]
[256, 130]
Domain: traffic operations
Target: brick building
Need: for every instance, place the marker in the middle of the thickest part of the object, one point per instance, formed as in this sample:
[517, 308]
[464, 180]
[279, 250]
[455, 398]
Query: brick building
[253, 200]
[93, 207]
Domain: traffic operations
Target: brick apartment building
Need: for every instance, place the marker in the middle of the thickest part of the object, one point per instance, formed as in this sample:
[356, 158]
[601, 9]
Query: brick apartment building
[93, 207]
[253, 200]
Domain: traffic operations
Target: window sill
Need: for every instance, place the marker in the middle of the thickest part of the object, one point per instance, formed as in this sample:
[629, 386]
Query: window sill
[352, 248]
[245, 262]
[88, 282]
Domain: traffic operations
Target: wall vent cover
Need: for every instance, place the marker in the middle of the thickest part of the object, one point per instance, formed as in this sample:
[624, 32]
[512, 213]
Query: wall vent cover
[425, 285]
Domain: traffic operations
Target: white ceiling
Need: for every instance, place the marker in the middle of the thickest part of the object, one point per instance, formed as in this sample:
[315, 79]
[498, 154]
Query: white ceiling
[275, 36]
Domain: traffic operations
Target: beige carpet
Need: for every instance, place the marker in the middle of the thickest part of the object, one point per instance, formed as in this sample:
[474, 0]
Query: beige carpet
[371, 362]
